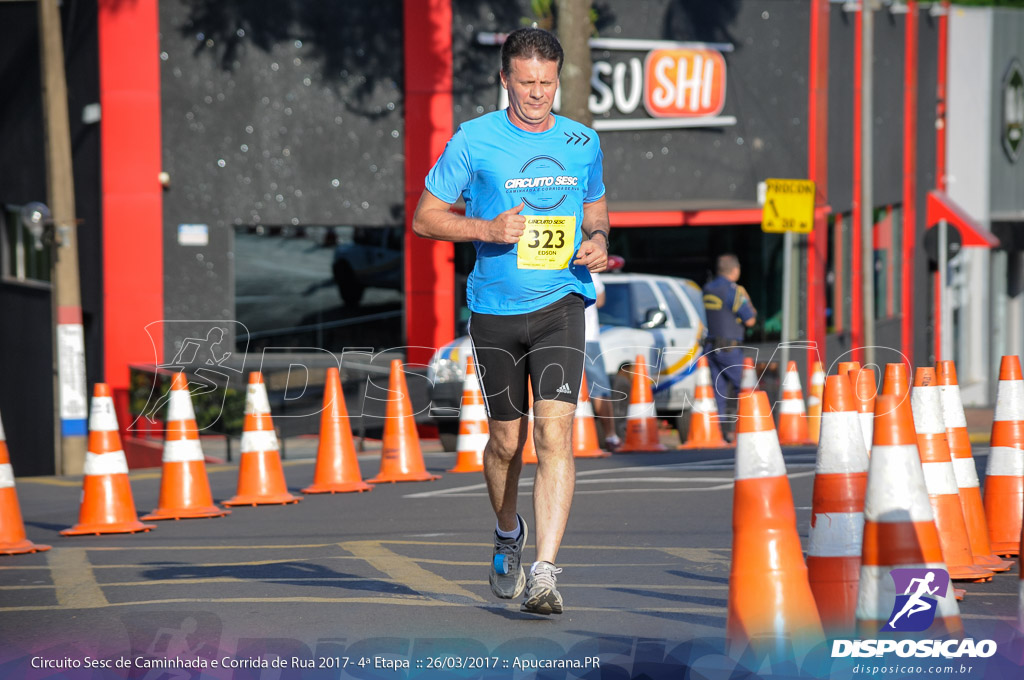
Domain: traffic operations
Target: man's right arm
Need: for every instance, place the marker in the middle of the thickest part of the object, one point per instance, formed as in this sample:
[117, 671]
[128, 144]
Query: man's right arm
[434, 219]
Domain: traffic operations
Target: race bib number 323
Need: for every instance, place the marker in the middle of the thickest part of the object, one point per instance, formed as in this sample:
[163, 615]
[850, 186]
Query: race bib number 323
[547, 242]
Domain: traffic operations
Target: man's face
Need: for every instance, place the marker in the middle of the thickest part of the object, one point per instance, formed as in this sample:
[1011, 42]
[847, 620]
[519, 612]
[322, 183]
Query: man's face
[531, 85]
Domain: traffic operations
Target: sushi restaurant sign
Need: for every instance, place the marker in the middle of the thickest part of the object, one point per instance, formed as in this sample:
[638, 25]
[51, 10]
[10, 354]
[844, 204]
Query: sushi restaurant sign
[673, 85]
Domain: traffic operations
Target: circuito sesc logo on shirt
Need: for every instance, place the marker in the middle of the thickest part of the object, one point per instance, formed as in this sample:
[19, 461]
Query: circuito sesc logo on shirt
[542, 183]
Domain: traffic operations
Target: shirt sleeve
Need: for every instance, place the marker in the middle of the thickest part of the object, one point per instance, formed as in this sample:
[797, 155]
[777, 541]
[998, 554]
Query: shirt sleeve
[453, 171]
[741, 304]
[595, 183]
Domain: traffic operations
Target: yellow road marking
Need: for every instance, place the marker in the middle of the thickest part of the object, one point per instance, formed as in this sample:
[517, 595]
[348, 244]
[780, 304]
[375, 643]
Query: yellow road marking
[73, 579]
[404, 570]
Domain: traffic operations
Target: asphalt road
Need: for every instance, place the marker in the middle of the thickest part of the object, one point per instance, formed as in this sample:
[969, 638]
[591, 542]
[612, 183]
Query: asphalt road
[398, 575]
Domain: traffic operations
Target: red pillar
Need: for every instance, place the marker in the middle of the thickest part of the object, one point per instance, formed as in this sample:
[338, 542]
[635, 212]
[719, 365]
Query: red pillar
[817, 171]
[857, 249]
[129, 61]
[429, 265]
[909, 240]
[940, 157]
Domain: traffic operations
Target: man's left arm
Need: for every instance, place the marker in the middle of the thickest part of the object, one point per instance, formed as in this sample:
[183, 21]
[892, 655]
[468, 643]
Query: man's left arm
[593, 252]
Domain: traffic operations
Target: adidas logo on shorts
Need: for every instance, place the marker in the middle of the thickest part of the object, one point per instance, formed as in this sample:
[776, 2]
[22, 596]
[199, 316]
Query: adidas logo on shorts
[564, 389]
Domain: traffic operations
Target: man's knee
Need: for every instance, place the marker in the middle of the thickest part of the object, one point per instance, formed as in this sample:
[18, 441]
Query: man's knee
[506, 438]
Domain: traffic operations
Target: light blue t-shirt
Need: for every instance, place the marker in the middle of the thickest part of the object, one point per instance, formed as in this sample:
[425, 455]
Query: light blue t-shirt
[494, 166]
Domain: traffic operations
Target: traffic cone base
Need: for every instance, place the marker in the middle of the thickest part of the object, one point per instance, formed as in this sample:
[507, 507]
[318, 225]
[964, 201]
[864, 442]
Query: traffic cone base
[974, 515]
[13, 540]
[12, 529]
[262, 480]
[185, 493]
[104, 509]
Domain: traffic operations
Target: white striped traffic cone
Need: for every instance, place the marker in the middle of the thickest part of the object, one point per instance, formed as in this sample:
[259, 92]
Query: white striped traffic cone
[965, 470]
[184, 486]
[940, 480]
[13, 540]
[899, 527]
[473, 430]
[792, 412]
[837, 512]
[1004, 476]
[260, 474]
[107, 505]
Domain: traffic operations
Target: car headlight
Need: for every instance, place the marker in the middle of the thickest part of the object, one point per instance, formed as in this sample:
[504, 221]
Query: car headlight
[446, 371]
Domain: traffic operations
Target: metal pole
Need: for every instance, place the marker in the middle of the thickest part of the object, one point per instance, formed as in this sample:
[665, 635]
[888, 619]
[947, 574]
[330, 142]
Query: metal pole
[867, 200]
[944, 329]
[787, 306]
[70, 400]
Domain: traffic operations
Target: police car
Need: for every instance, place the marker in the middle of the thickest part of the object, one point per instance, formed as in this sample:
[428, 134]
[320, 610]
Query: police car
[658, 317]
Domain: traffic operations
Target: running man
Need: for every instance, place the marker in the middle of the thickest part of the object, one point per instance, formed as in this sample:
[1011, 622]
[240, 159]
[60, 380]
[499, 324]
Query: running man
[915, 604]
[535, 211]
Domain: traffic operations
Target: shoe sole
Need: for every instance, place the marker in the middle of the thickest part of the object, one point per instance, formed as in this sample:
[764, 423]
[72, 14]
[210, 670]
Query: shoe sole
[520, 579]
[546, 603]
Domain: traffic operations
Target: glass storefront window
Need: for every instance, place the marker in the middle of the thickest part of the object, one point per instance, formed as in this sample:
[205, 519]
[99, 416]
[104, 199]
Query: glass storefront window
[319, 286]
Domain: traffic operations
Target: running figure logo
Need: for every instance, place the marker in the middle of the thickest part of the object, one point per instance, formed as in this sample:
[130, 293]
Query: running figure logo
[915, 609]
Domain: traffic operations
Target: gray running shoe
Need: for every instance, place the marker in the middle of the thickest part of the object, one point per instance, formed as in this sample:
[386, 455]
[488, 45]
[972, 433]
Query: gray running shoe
[507, 576]
[541, 595]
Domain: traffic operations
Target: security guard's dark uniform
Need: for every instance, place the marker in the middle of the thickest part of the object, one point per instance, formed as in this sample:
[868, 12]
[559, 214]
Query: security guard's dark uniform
[728, 308]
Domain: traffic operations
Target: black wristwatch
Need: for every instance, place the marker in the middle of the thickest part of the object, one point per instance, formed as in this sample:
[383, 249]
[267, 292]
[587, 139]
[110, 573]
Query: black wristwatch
[602, 233]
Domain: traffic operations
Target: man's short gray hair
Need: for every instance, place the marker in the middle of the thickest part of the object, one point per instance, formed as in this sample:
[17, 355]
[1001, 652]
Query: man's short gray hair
[726, 263]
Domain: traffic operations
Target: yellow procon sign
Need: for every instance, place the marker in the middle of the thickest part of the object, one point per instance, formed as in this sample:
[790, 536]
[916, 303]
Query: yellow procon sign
[788, 206]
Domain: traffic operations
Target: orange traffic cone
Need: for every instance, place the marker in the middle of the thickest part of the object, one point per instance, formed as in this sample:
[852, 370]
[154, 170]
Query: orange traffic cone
[184, 486]
[899, 527]
[845, 367]
[895, 380]
[965, 470]
[584, 432]
[837, 510]
[766, 554]
[473, 430]
[337, 464]
[864, 389]
[705, 432]
[792, 413]
[641, 418]
[940, 480]
[107, 504]
[12, 528]
[260, 474]
[1004, 482]
[401, 457]
[814, 402]
[748, 380]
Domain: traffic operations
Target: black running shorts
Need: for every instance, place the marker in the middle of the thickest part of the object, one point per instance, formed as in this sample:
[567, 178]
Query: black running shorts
[546, 346]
